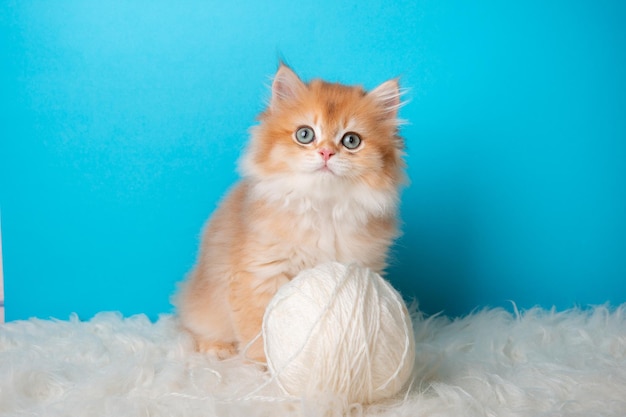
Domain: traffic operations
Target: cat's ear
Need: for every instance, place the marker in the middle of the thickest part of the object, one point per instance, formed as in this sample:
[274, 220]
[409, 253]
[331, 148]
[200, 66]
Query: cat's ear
[286, 86]
[387, 97]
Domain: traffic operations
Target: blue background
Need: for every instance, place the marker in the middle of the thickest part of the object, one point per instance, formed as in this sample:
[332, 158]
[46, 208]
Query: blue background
[121, 122]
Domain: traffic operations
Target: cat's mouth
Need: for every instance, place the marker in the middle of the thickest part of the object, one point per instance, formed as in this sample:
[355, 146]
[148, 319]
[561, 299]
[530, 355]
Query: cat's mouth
[326, 170]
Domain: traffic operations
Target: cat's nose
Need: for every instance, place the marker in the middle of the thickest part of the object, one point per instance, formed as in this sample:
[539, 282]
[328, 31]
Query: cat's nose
[326, 154]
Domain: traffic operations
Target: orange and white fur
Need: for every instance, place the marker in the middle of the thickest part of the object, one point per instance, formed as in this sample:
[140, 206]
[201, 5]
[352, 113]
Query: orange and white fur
[320, 182]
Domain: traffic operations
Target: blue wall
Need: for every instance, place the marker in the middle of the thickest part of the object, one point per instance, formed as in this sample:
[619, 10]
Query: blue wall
[121, 123]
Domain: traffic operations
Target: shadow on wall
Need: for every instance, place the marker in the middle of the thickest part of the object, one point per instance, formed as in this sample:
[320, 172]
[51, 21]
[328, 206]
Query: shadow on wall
[432, 260]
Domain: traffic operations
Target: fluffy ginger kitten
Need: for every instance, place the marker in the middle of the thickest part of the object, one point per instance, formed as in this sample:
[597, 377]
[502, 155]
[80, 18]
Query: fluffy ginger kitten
[321, 179]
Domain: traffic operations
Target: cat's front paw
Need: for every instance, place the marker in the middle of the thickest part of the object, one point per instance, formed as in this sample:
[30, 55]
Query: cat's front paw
[221, 350]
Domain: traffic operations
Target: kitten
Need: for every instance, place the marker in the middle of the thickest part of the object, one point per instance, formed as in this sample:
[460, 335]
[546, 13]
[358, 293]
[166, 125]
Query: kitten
[321, 179]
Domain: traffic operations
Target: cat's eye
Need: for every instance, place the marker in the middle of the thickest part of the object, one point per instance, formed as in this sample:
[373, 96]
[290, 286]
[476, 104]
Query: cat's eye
[351, 140]
[305, 135]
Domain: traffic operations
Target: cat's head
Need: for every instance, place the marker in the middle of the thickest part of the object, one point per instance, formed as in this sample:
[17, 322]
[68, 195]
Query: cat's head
[321, 134]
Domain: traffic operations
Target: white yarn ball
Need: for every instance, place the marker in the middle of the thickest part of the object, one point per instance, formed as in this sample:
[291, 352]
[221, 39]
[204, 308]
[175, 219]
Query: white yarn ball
[339, 330]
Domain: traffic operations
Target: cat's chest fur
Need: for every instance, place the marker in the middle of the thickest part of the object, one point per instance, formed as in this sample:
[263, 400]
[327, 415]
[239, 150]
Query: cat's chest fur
[315, 223]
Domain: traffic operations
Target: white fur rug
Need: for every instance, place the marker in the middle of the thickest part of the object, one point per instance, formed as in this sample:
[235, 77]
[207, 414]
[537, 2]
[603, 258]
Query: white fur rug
[491, 363]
